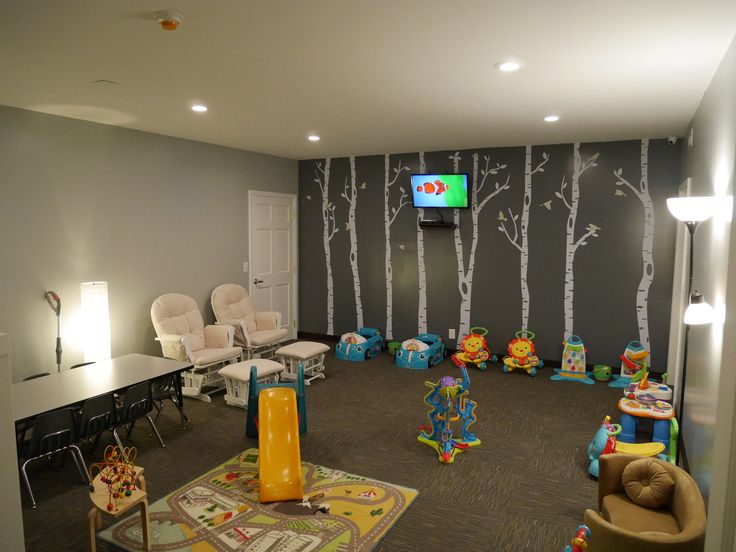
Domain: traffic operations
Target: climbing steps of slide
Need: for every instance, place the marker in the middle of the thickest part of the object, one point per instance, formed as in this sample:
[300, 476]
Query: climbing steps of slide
[278, 441]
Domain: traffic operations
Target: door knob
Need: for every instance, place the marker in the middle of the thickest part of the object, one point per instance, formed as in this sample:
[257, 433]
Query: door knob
[257, 281]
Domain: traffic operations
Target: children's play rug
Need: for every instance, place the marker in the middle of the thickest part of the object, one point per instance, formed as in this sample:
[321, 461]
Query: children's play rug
[220, 511]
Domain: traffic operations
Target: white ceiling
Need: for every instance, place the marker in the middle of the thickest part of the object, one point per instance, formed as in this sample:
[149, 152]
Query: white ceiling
[368, 76]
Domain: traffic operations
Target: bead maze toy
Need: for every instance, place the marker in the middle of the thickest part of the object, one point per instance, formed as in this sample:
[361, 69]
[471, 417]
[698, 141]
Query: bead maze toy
[117, 472]
[448, 403]
[522, 354]
[255, 387]
[118, 486]
[360, 345]
[633, 365]
[474, 349]
[579, 543]
[421, 352]
[573, 362]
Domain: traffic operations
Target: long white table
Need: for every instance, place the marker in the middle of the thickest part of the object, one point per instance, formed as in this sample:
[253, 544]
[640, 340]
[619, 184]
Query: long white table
[36, 396]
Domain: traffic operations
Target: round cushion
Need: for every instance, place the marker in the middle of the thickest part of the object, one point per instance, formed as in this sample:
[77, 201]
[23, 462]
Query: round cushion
[647, 483]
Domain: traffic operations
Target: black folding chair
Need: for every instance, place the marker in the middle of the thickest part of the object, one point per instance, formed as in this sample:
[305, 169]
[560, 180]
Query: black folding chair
[165, 388]
[53, 432]
[97, 416]
[137, 404]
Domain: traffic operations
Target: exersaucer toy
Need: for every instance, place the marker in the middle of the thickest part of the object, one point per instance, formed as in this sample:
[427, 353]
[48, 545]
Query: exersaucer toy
[522, 354]
[448, 404]
[474, 349]
[573, 362]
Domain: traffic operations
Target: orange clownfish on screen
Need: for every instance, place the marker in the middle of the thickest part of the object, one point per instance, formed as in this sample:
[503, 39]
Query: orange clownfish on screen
[437, 187]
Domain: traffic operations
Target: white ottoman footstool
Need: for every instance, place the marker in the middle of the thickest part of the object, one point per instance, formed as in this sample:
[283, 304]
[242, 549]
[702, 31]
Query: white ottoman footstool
[237, 378]
[309, 354]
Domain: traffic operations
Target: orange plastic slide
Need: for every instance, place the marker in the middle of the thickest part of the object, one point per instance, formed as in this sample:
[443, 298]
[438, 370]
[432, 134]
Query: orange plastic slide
[278, 441]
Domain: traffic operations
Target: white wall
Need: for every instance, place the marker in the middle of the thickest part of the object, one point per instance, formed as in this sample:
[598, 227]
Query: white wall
[11, 520]
[709, 414]
[147, 213]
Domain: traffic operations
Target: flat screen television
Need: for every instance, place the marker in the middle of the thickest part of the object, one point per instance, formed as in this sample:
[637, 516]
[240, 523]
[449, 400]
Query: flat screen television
[440, 190]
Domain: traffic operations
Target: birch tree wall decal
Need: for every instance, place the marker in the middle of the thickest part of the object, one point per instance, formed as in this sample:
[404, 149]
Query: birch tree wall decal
[350, 194]
[647, 259]
[465, 275]
[571, 244]
[389, 215]
[520, 239]
[422, 285]
[329, 229]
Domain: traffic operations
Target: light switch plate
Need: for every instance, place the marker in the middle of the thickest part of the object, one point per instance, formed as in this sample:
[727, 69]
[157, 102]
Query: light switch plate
[245, 266]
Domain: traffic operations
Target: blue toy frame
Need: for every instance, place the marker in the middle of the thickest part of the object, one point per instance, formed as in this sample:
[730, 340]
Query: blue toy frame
[421, 360]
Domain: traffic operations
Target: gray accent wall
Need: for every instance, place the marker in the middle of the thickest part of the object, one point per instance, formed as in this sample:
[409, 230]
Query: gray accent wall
[149, 214]
[709, 424]
[607, 270]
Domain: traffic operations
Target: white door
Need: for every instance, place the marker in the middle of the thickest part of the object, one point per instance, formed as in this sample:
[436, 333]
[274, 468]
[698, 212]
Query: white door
[272, 255]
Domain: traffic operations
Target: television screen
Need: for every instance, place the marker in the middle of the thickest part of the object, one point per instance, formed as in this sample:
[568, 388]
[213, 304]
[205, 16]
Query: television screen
[440, 190]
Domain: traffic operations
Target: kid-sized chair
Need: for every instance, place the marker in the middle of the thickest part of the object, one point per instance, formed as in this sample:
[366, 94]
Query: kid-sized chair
[183, 336]
[645, 505]
[257, 332]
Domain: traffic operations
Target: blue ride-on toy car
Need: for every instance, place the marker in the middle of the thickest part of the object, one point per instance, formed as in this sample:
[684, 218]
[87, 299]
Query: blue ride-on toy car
[360, 345]
[421, 352]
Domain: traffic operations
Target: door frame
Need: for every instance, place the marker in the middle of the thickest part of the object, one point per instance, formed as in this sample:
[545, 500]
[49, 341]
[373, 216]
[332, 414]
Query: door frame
[294, 250]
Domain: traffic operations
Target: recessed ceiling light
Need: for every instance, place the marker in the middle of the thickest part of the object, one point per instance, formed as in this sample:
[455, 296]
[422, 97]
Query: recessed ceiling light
[199, 108]
[508, 66]
[551, 119]
[313, 138]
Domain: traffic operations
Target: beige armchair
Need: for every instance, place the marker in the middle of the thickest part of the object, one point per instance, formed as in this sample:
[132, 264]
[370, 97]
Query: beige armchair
[183, 336]
[672, 519]
[257, 332]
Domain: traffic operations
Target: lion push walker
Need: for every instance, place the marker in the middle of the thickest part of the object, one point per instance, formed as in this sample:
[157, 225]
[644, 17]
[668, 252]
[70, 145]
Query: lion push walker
[449, 403]
[474, 349]
[522, 354]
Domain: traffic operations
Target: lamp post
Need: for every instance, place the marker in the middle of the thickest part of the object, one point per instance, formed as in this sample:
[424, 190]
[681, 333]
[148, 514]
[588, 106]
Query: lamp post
[692, 211]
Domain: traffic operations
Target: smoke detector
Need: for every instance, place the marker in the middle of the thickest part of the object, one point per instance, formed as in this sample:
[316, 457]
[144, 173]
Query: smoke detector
[169, 20]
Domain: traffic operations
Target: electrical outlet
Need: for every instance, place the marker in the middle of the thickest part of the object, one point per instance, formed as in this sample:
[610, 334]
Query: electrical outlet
[245, 266]
[451, 333]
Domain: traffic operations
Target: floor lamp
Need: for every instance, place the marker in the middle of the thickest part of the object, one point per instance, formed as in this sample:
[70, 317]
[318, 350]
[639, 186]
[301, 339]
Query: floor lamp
[692, 211]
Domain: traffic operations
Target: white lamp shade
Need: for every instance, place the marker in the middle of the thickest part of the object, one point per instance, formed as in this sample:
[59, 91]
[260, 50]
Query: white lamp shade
[692, 209]
[699, 313]
[95, 321]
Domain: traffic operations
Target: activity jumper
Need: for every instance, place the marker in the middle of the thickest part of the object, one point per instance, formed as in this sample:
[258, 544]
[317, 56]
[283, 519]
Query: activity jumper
[448, 404]
[522, 354]
[360, 345]
[421, 352]
[474, 349]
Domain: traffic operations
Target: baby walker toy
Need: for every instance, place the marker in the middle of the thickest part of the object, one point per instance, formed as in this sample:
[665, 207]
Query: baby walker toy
[573, 362]
[522, 354]
[474, 349]
[579, 543]
[449, 403]
[633, 361]
[360, 345]
[421, 352]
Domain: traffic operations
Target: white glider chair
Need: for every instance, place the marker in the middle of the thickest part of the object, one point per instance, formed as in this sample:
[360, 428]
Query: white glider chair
[183, 336]
[259, 333]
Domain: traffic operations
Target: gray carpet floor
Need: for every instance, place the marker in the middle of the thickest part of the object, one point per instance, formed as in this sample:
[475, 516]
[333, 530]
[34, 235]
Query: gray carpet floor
[524, 488]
